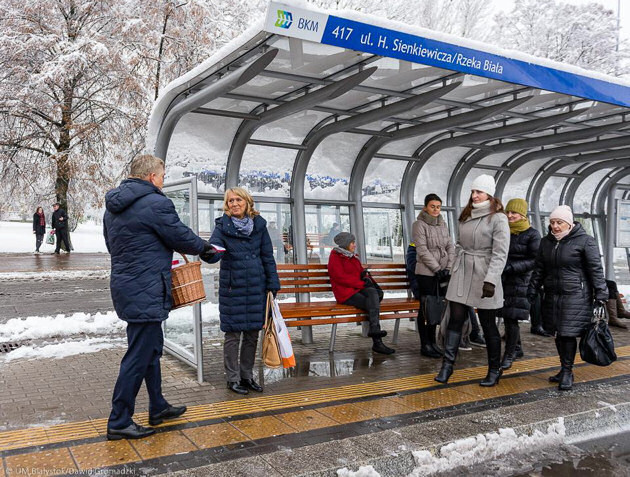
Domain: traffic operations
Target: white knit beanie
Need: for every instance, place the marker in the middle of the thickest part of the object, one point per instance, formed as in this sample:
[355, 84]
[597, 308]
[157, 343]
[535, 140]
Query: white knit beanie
[484, 183]
[562, 212]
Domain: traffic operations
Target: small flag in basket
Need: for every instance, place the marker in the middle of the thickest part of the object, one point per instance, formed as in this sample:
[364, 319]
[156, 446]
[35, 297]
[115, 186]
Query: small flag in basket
[284, 340]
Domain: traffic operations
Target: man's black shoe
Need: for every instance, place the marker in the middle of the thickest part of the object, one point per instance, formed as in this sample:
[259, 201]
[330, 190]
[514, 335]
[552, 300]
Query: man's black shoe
[236, 387]
[251, 384]
[169, 413]
[133, 431]
[540, 331]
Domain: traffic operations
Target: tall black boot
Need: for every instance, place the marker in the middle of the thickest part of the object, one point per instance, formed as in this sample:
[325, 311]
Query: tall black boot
[431, 332]
[493, 347]
[425, 341]
[451, 345]
[556, 377]
[511, 340]
[568, 349]
[379, 347]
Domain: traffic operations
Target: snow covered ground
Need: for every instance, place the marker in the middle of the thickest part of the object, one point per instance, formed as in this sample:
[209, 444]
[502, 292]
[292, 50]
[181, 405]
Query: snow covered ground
[17, 237]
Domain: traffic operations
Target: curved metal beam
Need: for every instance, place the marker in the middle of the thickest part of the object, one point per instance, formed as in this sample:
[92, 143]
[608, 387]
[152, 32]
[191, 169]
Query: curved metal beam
[220, 87]
[315, 138]
[373, 145]
[248, 127]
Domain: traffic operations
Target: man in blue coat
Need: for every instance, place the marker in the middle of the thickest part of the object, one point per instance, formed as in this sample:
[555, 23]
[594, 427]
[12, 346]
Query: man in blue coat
[142, 229]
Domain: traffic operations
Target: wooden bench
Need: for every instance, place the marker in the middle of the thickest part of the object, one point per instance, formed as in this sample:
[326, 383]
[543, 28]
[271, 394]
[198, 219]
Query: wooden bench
[304, 280]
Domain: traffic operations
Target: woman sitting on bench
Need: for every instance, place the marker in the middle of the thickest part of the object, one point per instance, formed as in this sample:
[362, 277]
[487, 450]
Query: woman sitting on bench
[352, 286]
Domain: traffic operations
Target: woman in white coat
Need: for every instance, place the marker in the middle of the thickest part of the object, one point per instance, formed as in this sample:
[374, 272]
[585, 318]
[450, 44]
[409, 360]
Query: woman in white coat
[480, 256]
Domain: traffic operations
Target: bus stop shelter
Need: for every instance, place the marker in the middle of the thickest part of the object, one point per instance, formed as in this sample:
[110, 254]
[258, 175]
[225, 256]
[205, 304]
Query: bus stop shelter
[344, 121]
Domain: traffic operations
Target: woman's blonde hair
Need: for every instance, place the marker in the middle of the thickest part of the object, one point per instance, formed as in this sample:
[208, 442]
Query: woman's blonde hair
[243, 194]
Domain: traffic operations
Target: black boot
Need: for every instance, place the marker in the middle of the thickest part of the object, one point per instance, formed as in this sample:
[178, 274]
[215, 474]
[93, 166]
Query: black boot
[451, 345]
[511, 340]
[379, 347]
[568, 348]
[492, 378]
[377, 334]
[556, 377]
[518, 352]
[425, 341]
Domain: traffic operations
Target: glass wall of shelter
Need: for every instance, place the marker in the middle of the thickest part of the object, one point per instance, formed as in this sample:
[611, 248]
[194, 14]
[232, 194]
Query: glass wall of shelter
[331, 139]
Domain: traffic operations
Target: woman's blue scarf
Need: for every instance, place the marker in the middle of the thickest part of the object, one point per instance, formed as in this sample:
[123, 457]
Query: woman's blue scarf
[244, 225]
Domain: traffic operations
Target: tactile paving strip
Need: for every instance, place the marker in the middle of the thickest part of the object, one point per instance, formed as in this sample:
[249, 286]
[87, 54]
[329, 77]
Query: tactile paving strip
[81, 430]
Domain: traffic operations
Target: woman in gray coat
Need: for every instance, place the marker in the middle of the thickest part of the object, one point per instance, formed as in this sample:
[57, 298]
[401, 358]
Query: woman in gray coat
[480, 255]
[435, 254]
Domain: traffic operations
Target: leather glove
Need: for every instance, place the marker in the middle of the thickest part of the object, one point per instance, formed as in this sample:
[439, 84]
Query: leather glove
[442, 274]
[208, 252]
[488, 290]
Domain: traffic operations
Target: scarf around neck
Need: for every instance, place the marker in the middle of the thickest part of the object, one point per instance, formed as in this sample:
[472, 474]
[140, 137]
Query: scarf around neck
[244, 225]
[519, 226]
[480, 209]
[345, 253]
[561, 235]
[42, 220]
[429, 219]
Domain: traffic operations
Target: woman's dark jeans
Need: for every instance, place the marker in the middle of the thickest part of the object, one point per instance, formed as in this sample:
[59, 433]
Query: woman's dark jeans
[368, 299]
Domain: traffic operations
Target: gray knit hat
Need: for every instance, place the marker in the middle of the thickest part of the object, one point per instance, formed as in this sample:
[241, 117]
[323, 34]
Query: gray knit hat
[344, 239]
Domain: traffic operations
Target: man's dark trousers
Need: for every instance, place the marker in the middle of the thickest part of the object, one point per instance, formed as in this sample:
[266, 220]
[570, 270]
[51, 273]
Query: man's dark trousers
[141, 362]
[62, 234]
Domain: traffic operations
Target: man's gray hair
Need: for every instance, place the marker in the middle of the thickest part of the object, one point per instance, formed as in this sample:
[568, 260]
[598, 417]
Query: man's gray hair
[143, 165]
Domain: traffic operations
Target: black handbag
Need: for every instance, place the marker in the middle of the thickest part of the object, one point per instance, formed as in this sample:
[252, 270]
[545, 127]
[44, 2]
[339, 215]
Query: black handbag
[597, 346]
[433, 307]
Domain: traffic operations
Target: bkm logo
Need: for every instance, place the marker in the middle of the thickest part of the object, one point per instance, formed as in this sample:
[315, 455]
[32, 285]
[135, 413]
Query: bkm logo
[285, 19]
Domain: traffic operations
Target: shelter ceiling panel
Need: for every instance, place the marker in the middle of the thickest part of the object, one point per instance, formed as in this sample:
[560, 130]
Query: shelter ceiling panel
[478, 89]
[436, 174]
[396, 75]
[516, 187]
[377, 126]
[330, 166]
[352, 99]
[584, 193]
[405, 147]
[382, 181]
[423, 111]
[495, 159]
[550, 193]
[313, 59]
[228, 104]
[541, 99]
[596, 110]
[571, 168]
[267, 170]
[268, 87]
[291, 129]
[200, 144]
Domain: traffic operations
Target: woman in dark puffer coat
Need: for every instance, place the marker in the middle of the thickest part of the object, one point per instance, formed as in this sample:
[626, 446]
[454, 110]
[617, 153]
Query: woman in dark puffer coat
[569, 268]
[248, 272]
[524, 244]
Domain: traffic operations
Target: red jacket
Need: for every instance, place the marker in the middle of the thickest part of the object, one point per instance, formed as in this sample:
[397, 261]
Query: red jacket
[345, 275]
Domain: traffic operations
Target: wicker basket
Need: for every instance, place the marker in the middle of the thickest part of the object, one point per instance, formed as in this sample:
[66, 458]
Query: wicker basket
[187, 284]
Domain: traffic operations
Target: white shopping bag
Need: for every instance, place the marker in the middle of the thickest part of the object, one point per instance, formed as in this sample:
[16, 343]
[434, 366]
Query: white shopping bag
[284, 340]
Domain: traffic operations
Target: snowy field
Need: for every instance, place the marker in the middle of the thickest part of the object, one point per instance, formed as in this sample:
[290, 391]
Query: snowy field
[17, 237]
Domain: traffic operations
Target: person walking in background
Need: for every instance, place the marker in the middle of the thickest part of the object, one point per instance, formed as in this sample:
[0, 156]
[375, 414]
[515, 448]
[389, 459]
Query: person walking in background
[141, 229]
[569, 269]
[248, 272]
[60, 226]
[481, 252]
[435, 254]
[524, 243]
[39, 227]
[352, 286]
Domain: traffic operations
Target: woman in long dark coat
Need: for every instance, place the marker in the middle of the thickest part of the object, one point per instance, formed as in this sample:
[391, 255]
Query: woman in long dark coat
[248, 272]
[39, 227]
[569, 269]
[524, 243]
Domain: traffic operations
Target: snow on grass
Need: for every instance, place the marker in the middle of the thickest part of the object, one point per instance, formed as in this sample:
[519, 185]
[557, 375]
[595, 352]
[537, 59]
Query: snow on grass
[65, 349]
[55, 275]
[492, 446]
[17, 237]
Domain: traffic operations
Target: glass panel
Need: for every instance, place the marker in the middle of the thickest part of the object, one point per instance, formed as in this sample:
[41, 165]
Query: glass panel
[382, 180]
[199, 146]
[587, 223]
[329, 170]
[518, 183]
[584, 194]
[550, 193]
[323, 222]
[405, 147]
[278, 217]
[267, 170]
[292, 129]
[383, 235]
[436, 174]
[495, 160]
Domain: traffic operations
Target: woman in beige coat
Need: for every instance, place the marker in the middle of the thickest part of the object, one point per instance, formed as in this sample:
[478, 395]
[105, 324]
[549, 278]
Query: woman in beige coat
[480, 256]
[435, 254]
